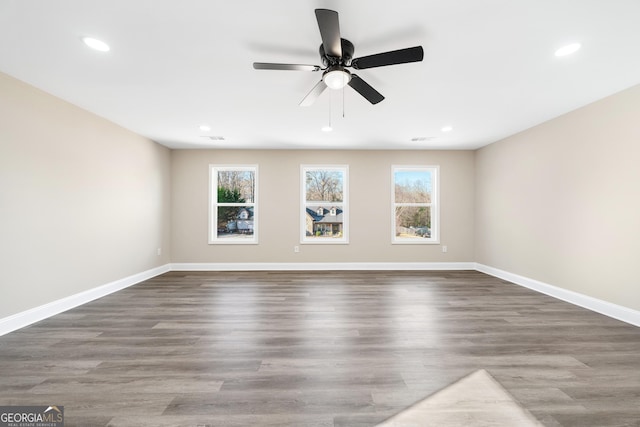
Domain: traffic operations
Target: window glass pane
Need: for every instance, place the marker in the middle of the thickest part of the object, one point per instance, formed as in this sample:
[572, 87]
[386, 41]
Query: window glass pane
[413, 222]
[413, 186]
[324, 221]
[324, 186]
[235, 221]
[236, 186]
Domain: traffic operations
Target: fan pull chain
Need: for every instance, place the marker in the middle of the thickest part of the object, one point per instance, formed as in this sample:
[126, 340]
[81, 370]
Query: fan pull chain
[328, 128]
[330, 102]
[343, 102]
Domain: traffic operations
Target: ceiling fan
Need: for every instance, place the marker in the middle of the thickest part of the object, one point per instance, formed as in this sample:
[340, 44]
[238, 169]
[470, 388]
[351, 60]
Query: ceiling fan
[336, 55]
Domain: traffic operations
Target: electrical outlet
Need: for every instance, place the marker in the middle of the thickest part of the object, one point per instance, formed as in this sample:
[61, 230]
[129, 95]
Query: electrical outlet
[159, 251]
[444, 248]
[296, 249]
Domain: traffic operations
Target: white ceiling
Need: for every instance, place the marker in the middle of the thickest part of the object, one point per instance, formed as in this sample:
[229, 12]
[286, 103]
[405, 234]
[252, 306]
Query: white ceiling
[489, 69]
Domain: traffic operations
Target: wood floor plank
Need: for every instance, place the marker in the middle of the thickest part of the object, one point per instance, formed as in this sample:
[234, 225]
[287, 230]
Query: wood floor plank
[319, 349]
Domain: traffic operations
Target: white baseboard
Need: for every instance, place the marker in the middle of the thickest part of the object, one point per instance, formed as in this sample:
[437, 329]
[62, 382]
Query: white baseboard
[322, 266]
[28, 317]
[615, 311]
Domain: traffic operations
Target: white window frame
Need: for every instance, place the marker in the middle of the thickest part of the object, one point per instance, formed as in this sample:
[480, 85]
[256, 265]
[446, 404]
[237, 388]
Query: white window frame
[344, 205]
[214, 239]
[434, 205]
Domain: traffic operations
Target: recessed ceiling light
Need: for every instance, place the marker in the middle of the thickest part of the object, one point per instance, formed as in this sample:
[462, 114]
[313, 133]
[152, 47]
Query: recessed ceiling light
[205, 128]
[214, 138]
[568, 49]
[422, 138]
[96, 44]
[326, 129]
[446, 129]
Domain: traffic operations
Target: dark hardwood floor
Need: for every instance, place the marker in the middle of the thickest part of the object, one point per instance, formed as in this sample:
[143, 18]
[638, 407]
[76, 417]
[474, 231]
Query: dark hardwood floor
[318, 349]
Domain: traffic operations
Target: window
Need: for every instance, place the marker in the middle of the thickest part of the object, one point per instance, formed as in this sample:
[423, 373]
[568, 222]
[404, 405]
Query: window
[233, 211]
[414, 195]
[324, 210]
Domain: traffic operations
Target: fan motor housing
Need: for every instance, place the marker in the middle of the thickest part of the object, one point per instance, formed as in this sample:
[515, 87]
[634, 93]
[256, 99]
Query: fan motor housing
[345, 60]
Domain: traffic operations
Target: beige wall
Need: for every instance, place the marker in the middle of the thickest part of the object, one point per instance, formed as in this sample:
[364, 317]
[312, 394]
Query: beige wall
[560, 203]
[83, 202]
[279, 207]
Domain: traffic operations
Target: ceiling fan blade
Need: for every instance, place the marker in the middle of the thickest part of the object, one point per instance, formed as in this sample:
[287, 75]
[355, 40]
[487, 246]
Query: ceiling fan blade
[330, 31]
[401, 56]
[293, 67]
[363, 88]
[313, 94]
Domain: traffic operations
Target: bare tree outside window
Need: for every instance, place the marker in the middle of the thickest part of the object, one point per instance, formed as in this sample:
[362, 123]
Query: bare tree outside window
[324, 186]
[236, 186]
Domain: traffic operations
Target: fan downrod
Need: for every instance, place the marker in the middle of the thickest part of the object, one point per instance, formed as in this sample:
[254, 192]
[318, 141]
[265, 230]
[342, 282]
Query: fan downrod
[345, 60]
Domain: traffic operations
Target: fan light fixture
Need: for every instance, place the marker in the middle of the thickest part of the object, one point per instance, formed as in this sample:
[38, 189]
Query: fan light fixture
[336, 77]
